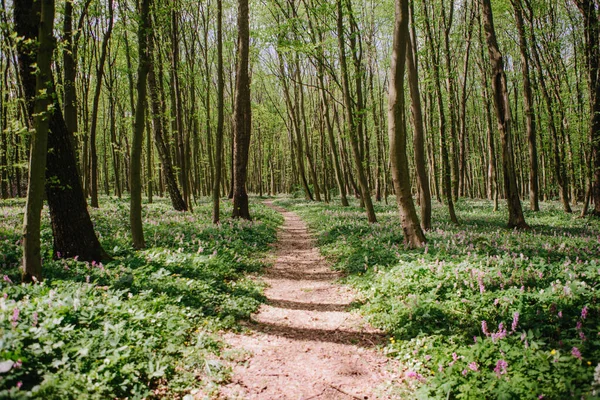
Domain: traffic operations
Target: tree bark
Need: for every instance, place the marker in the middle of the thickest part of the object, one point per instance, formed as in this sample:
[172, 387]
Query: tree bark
[591, 27]
[32, 259]
[137, 141]
[242, 115]
[72, 227]
[220, 117]
[350, 121]
[502, 105]
[419, 130]
[413, 234]
[95, 106]
[529, 114]
[158, 129]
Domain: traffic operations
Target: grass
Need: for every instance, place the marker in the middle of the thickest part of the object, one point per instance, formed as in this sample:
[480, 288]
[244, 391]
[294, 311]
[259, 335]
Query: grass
[481, 311]
[144, 325]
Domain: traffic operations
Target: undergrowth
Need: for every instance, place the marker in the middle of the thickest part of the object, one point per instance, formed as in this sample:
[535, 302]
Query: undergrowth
[481, 311]
[141, 326]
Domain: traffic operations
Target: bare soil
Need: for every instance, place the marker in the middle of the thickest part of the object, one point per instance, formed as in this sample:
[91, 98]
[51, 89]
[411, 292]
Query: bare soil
[305, 343]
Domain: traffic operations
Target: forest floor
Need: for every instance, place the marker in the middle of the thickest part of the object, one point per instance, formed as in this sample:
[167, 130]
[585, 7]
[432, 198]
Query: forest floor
[306, 342]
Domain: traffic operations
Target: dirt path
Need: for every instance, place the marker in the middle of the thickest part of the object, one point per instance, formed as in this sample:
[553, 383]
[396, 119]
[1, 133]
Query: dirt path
[304, 343]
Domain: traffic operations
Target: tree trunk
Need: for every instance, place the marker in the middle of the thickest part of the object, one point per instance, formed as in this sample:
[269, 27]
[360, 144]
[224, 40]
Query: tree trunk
[446, 170]
[529, 114]
[419, 130]
[137, 141]
[413, 234]
[220, 117]
[591, 27]
[242, 115]
[350, 120]
[72, 227]
[502, 105]
[32, 259]
[95, 106]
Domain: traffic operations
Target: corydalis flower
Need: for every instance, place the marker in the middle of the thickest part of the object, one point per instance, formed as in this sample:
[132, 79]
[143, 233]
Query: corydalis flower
[35, 319]
[576, 353]
[584, 312]
[15, 317]
[7, 279]
[515, 321]
[501, 367]
[484, 328]
[473, 366]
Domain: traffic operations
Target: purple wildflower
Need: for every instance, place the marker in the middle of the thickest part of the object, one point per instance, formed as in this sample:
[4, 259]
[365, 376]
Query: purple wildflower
[7, 279]
[584, 312]
[35, 318]
[473, 366]
[515, 321]
[560, 314]
[501, 366]
[576, 353]
[19, 384]
[15, 317]
[484, 328]
[465, 372]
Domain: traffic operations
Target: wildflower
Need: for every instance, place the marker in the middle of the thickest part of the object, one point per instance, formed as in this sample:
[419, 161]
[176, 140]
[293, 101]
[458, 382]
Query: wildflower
[579, 325]
[15, 317]
[465, 372]
[501, 366]
[18, 364]
[7, 279]
[576, 353]
[427, 357]
[515, 321]
[473, 366]
[35, 318]
[584, 312]
[19, 384]
[553, 352]
[484, 328]
[560, 314]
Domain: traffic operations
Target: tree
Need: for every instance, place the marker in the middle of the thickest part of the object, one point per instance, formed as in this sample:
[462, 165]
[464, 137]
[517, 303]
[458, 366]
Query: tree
[242, 115]
[351, 122]
[216, 189]
[135, 179]
[413, 234]
[72, 228]
[32, 260]
[529, 113]
[591, 27]
[502, 105]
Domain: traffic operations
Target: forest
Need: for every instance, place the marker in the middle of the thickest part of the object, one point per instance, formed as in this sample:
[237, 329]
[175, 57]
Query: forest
[335, 199]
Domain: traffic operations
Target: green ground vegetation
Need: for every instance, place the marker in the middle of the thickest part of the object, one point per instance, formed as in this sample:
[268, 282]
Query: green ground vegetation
[143, 325]
[481, 311]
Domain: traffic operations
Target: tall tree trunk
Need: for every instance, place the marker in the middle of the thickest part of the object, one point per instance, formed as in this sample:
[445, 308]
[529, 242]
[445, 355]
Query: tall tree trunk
[446, 170]
[351, 122]
[137, 141]
[502, 104]
[529, 114]
[591, 27]
[95, 106]
[242, 115]
[419, 130]
[413, 234]
[32, 259]
[220, 117]
[72, 227]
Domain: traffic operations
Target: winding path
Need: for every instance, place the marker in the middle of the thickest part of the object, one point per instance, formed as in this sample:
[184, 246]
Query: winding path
[305, 343]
